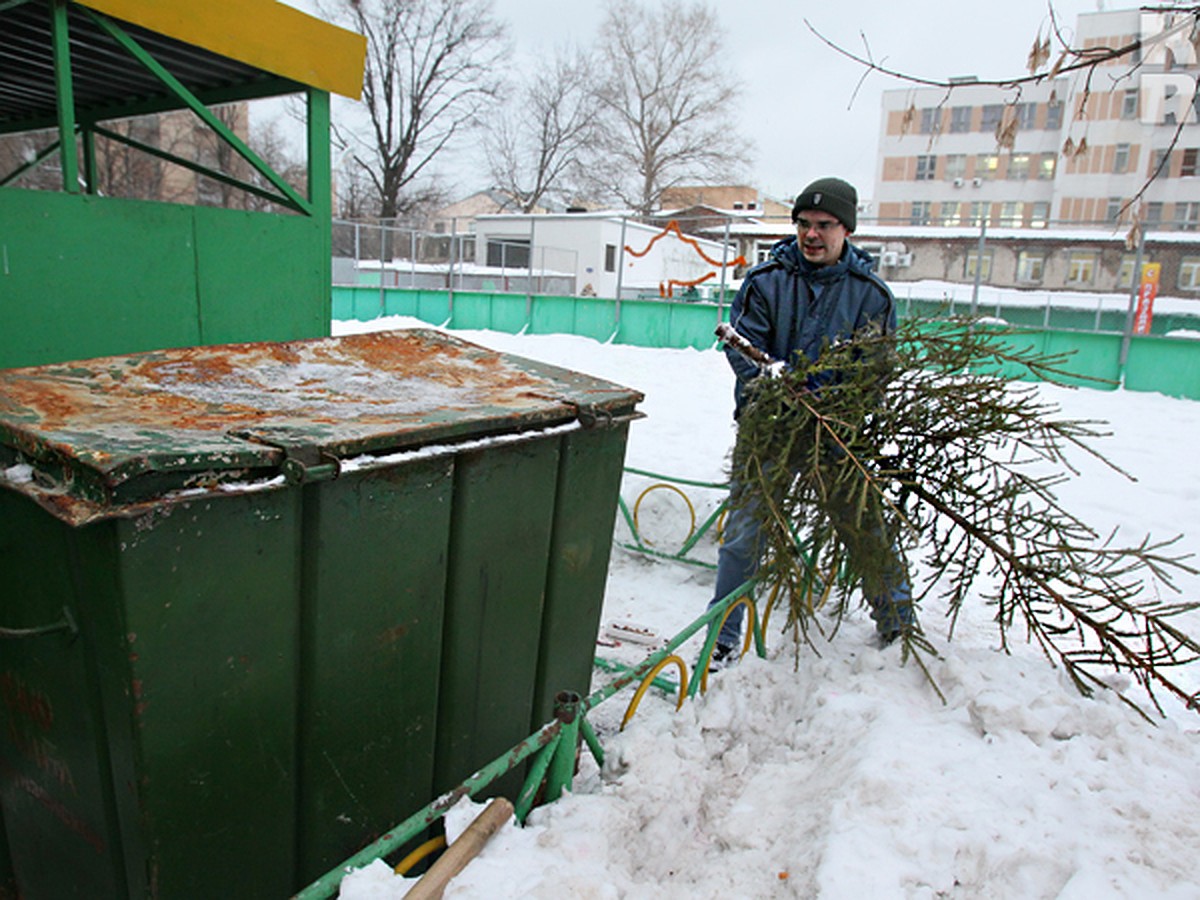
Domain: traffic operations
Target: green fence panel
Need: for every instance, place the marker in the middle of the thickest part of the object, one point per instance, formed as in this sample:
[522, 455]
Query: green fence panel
[552, 315]
[1092, 356]
[645, 323]
[399, 302]
[595, 318]
[510, 312]
[472, 310]
[692, 325]
[433, 306]
[343, 302]
[1168, 365]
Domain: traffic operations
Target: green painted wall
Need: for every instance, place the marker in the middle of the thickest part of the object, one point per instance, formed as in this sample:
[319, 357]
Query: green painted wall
[84, 276]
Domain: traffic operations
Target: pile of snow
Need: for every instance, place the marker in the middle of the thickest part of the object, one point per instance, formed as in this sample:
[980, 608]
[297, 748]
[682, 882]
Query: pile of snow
[843, 773]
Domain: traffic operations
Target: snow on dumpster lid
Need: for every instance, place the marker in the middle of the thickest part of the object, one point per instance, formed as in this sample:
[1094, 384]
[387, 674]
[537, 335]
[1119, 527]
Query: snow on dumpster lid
[122, 429]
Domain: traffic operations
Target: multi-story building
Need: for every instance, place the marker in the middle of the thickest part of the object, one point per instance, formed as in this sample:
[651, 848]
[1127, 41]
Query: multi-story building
[1075, 149]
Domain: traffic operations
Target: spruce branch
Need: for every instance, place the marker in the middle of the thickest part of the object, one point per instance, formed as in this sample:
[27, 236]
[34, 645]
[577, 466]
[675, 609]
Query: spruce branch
[930, 440]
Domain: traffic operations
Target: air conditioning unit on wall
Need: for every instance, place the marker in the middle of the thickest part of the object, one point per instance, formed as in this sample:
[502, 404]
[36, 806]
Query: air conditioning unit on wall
[889, 258]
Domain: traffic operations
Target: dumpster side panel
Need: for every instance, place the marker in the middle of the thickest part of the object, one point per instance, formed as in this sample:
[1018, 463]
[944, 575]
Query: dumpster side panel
[54, 788]
[211, 594]
[376, 548]
[589, 481]
[500, 536]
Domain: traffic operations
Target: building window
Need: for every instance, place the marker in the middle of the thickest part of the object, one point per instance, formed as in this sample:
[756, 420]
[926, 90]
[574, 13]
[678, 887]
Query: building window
[1018, 167]
[762, 251]
[1039, 214]
[1121, 159]
[954, 165]
[1187, 215]
[1081, 267]
[1112, 209]
[1189, 273]
[919, 214]
[1154, 211]
[926, 167]
[986, 166]
[1188, 167]
[1125, 273]
[1012, 214]
[931, 118]
[1054, 113]
[1047, 163]
[951, 213]
[960, 119]
[1158, 160]
[610, 257]
[1026, 114]
[1030, 266]
[993, 114]
[1129, 105]
[985, 269]
[979, 209]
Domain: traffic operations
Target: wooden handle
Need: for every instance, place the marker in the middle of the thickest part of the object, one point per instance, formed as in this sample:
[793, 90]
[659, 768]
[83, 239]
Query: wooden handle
[466, 848]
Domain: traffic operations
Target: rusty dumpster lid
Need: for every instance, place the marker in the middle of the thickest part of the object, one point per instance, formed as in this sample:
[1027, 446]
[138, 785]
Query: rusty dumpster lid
[108, 436]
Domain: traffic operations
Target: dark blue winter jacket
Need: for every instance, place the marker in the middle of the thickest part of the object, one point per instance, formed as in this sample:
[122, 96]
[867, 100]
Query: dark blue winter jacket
[779, 312]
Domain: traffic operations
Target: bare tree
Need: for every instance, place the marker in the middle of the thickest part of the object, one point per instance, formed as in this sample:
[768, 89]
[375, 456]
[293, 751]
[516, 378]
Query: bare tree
[666, 100]
[430, 68]
[537, 146]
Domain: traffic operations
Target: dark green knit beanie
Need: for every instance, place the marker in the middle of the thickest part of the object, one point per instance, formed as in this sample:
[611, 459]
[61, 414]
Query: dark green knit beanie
[831, 195]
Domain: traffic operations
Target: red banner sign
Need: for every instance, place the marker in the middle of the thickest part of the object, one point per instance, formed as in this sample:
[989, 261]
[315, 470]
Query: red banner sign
[1147, 291]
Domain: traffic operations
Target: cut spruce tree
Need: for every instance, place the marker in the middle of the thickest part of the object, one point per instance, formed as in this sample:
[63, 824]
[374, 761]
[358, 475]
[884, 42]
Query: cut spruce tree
[934, 441]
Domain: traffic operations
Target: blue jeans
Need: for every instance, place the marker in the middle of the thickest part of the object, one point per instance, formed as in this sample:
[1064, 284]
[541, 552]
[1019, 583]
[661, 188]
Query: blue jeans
[738, 558]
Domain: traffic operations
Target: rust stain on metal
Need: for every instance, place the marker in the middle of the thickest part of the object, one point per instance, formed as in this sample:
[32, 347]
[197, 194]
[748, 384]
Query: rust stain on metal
[229, 409]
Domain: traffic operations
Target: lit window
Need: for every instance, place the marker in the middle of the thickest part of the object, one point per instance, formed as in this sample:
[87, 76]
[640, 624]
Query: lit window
[1030, 266]
[951, 213]
[1081, 267]
[1046, 166]
[1018, 166]
[1039, 214]
[960, 119]
[1189, 273]
[978, 211]
[1012, 214]
[1125, 273]
[986, 166]
[985, 270]
[926, 167]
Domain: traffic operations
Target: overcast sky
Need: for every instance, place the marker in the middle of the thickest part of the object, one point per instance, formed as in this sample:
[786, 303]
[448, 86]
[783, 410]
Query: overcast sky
[796, 102]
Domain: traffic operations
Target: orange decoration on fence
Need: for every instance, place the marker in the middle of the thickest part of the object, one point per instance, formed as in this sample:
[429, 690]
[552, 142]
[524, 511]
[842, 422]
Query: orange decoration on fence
[673, 226]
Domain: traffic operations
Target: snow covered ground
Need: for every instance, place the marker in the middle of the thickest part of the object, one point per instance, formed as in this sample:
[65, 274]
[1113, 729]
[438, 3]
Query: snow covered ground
[843, 774]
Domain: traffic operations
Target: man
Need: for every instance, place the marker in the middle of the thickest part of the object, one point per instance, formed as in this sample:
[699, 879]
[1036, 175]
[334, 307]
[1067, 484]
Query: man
[816, 289]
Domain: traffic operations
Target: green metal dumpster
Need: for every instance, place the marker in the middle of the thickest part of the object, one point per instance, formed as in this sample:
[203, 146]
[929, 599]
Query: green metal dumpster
[262, 601]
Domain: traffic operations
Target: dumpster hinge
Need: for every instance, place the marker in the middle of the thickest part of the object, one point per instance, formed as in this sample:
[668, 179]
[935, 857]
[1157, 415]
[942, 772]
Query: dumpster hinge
[590, 416]
[302, 463]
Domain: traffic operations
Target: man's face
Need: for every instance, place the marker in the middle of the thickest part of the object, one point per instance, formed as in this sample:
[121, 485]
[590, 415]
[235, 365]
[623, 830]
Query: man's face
[821, 237]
